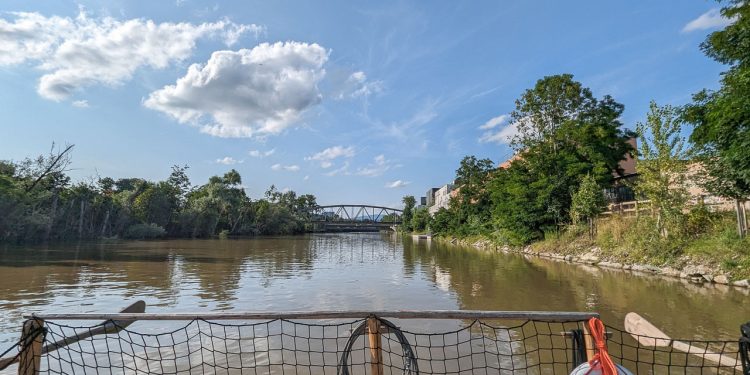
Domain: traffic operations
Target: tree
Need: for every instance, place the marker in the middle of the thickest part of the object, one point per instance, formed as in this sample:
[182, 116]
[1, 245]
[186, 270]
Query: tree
[564, 134]
[662, 165]
[519, 214]
[587, 203]
[180, 182]
[409, 203]
[722, 117]
[421, 219]
[442, 223]
[471, 206]
[39, 203]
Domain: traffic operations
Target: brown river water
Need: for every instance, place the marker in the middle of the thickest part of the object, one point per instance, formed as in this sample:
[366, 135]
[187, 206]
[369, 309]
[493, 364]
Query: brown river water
[349, 271]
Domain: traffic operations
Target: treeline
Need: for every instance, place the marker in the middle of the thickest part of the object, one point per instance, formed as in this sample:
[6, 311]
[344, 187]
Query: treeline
[39, 203]
[569, 144]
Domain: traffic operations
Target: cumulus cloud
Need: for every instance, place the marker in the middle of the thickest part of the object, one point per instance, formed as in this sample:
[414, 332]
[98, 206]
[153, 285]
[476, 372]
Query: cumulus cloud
[379, 166]
[397, 184]
[712, 19]
[503, 135]
[249, 92]
[84, 51]
[261, 154]
[228, 160]
[290, 168]
[81, 103]
[327, 156]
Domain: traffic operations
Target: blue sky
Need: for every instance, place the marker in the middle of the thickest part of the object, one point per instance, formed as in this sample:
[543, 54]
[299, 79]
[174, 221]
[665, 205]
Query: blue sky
[354, 102]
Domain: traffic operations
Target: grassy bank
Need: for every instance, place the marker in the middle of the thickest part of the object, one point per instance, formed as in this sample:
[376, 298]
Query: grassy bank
[705, 240]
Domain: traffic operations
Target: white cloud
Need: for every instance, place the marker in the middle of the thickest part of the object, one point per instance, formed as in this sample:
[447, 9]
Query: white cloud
[228, 160]
[357, 85]
[306, 178]
[327, 156]
[712, 19]
[495, 122]
[290, 168]
[343, 170]
[246, 93]
[81, 103]
[379, 166]
[84, 51]
[412, 128]
[397, 184]
[504, 135]
[261, 154]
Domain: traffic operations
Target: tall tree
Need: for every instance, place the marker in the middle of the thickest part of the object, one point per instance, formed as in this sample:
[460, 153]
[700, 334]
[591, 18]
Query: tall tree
[409, 203]
[662, 165]
[722, 117]
[564, 134]
[471, 206]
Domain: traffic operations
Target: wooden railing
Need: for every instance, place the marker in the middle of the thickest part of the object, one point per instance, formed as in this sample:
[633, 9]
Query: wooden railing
[638, 207]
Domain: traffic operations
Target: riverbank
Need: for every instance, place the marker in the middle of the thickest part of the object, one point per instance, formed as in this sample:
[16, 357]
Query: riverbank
[710, 260]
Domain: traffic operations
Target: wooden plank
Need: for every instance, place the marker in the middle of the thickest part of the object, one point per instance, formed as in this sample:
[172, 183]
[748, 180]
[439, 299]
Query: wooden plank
[269, 315]
[31, 349]
[376, 348]
[589, 342]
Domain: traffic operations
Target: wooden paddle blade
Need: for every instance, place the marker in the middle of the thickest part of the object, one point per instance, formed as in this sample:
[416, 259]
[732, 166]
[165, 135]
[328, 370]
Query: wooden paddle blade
[138, 307]
[645, 332]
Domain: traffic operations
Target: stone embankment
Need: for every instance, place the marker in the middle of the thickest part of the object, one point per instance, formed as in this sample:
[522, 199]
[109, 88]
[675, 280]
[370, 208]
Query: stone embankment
[693, 273]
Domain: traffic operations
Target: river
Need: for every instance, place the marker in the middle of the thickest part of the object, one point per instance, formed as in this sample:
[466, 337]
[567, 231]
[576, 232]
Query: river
[359, 271]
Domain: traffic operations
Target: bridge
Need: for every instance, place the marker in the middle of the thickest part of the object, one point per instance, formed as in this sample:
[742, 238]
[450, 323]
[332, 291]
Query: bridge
[354, 218]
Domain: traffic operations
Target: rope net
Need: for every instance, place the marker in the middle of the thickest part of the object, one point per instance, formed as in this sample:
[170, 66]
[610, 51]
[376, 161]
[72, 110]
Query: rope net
[347, 348]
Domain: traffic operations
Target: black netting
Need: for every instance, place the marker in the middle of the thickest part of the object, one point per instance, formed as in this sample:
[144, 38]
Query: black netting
[645, 355]
[344, 348]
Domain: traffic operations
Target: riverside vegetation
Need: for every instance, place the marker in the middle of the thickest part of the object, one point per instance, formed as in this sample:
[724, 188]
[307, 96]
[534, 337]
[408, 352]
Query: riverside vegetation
[39, 203]
[569, 143]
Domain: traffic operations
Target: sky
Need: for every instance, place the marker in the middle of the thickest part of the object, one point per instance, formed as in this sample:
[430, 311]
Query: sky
[354, 102]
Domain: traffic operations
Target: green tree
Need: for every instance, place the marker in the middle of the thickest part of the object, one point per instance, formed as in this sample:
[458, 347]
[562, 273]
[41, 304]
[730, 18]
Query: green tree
[38, 202]
[421, 219]
[471, 206]
[442, 223]
[519, 214]
[156, 204]
[721, 117]
[564, 134]
[406, 218]
[662, 165]
[588, 202]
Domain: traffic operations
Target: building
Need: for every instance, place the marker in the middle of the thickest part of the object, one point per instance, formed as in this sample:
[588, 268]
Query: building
[442, 198]
[430, 196]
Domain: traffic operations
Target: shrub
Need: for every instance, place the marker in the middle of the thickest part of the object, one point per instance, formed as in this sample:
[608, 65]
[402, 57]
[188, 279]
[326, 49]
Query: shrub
[144, 231]
[700, 221]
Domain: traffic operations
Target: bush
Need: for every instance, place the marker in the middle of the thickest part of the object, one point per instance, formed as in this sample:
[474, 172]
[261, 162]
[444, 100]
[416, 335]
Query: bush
[144, 231]
[700, 221]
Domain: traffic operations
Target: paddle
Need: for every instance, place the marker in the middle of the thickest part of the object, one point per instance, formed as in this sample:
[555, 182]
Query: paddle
[106, 327]
[648, 335]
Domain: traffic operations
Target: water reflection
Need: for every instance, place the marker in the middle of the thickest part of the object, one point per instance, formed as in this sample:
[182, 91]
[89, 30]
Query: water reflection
[496, 281]
[341, 271]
